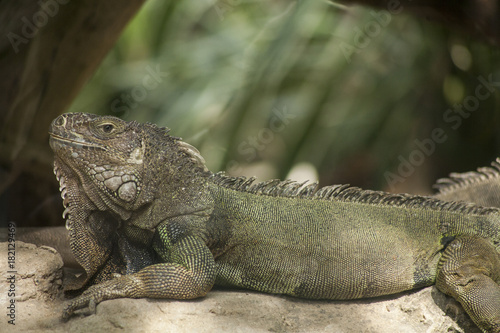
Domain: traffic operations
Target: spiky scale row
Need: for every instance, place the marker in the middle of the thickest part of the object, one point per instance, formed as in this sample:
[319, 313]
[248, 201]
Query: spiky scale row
[292, 189]
[462, 180]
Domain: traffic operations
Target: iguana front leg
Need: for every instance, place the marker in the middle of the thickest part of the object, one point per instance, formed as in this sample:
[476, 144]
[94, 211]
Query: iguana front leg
[191, 274]
[470, 272]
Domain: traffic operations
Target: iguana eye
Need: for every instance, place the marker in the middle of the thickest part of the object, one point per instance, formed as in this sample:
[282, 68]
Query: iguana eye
[107, 128]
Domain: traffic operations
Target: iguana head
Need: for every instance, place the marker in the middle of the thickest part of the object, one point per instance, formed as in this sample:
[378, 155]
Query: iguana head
[120, 165]
[105, 153]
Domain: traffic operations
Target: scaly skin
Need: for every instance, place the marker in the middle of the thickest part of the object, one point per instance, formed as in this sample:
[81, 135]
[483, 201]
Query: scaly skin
[142, 204]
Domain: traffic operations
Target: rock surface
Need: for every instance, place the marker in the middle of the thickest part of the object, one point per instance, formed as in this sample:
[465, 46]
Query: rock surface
[39, 302]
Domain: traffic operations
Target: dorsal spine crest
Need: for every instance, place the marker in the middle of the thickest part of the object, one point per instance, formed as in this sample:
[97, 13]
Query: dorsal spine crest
[345, 193]
[461, 180]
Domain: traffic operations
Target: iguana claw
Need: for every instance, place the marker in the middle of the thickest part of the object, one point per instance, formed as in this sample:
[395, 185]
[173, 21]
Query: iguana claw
[89, 300]
[94, 295]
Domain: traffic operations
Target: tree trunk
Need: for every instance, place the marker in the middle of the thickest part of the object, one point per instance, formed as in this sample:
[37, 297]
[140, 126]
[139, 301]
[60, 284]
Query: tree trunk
[48, 50]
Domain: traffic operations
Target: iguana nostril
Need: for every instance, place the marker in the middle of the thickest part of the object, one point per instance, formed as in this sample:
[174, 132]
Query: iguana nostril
[60, 121]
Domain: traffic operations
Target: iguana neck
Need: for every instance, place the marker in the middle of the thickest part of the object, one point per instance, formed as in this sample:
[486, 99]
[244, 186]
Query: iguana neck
[179, 182]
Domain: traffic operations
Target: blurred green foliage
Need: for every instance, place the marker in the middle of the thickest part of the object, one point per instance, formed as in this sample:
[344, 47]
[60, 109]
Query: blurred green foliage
[261, 86]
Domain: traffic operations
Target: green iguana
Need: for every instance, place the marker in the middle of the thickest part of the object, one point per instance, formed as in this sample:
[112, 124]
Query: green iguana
[141, 203]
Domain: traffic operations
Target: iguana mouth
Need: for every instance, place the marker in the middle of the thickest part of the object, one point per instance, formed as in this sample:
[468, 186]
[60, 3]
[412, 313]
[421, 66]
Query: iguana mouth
[73, 142]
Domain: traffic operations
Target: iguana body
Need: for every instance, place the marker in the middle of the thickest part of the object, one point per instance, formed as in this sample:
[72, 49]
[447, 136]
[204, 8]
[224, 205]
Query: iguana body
[141, 203]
